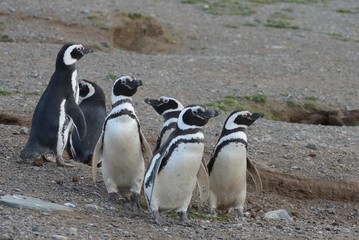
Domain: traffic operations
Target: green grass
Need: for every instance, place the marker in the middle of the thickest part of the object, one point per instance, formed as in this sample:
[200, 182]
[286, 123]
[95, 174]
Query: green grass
[112, 76]
[288, 1]
[5, 92]
[280, 23]
[340, 37]
[134, 15]
[228, 7]
[347, 11]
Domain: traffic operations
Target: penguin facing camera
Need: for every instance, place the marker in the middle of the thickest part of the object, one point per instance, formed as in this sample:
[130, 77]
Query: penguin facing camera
[172, 174]
[122, 146]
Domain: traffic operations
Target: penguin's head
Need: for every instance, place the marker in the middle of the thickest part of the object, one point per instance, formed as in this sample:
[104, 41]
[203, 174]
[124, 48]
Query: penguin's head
[241, 119]
[70, 53]
[125, 86]
[164, 105]
[194, 116]
[91, 90]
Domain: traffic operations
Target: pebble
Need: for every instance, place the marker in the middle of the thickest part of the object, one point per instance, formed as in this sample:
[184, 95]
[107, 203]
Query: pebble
[68, 204]
[59, 237]
[278, 214]
[311, 146]
[93, 206]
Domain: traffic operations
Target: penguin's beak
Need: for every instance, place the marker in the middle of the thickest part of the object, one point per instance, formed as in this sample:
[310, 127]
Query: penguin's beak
[152, 102]
[136, 83]
[86, 51]
[209, 113]
[255, 116]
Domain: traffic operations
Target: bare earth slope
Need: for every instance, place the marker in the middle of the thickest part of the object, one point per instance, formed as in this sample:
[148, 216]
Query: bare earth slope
[291, 52]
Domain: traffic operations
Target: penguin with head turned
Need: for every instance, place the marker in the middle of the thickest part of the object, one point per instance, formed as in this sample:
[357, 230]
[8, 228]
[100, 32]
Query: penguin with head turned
[172, 174]
[122, 146]
[57, 110]
[228, 164]
[169, 108]
[93, 106]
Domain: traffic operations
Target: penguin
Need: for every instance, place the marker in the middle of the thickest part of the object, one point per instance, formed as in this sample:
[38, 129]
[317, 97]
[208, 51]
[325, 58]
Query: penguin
[171, 176]
[57, 110]
[93, 106]
[122, 145]
[170, 109]
[228, 164]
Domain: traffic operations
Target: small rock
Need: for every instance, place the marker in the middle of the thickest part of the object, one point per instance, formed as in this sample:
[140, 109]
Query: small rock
[73, 231]
[24, 130]
[59, 237]
[71, 205]
[75, 179]
[312, 154]
[38, 162]
[331, 210]
[93, 206]
[278, 214]
[311, 146]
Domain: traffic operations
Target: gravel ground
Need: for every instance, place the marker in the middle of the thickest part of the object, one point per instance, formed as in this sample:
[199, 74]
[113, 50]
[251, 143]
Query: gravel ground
[309, 170]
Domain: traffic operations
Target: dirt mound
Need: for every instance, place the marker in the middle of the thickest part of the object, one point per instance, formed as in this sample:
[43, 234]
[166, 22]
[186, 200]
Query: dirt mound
[135, 32]
[308, 187]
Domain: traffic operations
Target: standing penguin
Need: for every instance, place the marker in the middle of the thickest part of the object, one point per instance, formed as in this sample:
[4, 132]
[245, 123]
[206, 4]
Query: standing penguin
[171, 176]
[122, 145]
[170, 109]
[57, 110]
[228, 164]
[93, 106]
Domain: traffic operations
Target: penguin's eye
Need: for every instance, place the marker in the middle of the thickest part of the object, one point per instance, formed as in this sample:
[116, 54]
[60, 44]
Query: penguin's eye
[123, 81]
[79, 48]
[195, 112]
[165, 100]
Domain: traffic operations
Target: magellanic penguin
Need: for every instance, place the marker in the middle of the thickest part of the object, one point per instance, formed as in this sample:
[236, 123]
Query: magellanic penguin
[171, 176]
[57, 110]
[122, 146]
[228, 164]
[93, 106]
[169, 108]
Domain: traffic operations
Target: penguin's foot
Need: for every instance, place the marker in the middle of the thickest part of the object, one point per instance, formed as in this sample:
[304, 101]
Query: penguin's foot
[239, 213]
[60, 163]
[135, 202]
[213, 212]
[111, 197]
[159, 220]
[48, 158]
[184, 219]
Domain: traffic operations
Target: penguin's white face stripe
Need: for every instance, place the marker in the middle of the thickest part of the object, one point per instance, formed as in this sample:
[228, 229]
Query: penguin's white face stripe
[230, 124]
[184, 126]
[75, 86]
[91, 90]
[166, 100]
[68, 59]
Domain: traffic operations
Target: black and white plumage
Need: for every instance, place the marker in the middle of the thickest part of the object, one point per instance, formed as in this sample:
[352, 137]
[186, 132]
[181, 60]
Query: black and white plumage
[93, 106]
[122, 146]
[57, 110]
[171, 176]
[169, 108]
[228, 164]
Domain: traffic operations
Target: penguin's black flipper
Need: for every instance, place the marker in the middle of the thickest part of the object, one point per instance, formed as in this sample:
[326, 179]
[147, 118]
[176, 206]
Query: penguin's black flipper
[75, 113]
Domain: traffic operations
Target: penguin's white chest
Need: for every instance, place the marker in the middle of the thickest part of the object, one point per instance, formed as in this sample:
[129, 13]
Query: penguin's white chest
[228, 176]
[122, 156]
[175, 182]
